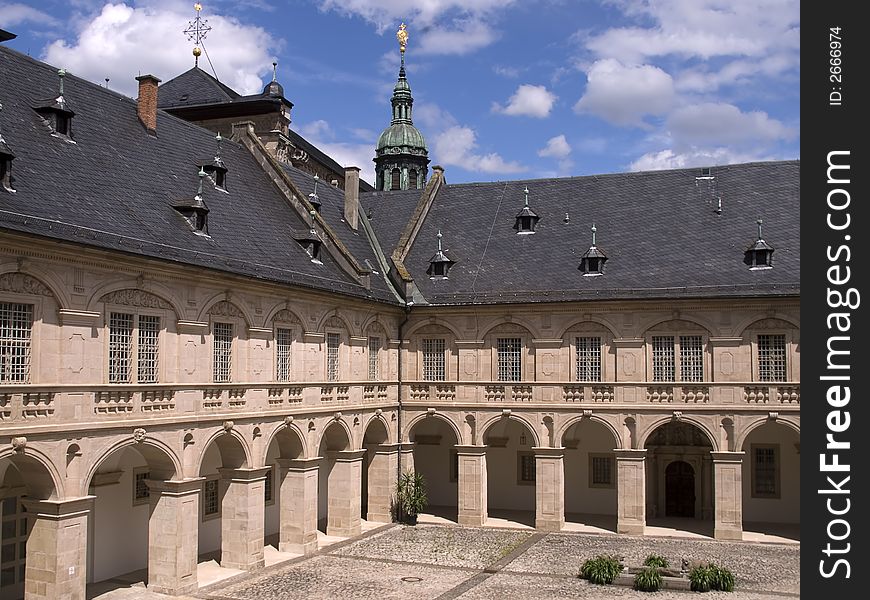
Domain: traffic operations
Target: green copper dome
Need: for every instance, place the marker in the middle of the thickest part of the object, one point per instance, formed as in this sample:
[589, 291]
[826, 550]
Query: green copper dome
[402, 136]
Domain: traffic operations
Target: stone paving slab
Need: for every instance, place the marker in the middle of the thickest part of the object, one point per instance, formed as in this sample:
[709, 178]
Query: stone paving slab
[768, 567]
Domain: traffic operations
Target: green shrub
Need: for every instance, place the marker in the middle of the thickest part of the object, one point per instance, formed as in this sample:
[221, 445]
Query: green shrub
[648, 580]
[657, 561]
[601, 570]
[700, 579]
[721, 579]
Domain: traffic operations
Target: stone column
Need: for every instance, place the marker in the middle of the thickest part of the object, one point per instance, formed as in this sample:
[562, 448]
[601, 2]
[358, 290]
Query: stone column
[472, 485]
[407, 454]
[728, 491]
[243, 518]
[549, 488]
[345, 481]
[630, 491]
[57, 549]
[173, 536]
[383, 473]
[298, 505]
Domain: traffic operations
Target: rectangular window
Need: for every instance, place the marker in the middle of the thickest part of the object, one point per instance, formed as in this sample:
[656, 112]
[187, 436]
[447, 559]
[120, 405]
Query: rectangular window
[765, 480]
[333, 341]
[16, 324]
[691, 358]
[771, 357]
[283, 339]
[454, 466]
[269, 486]
[223, 352]
[663, 358]
[588, 358]
[13, 554]
[210, 497]
[120, 347]
[510, 359]
[141, 492]
[434, 360]
[374, 358]
[526, 468]
[600, 470]
[149, 348]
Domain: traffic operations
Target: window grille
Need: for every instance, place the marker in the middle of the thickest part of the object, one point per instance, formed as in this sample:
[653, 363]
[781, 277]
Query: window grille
[210, 497]
[149, 348]
[16, 324]
[588, 358]
[283, 339]
[434, 360]
[771, 357]
[663, 358]
[374, 358]
[13, 522]
[333, 340]
[120, 347]
[268, 486]
[765, 471]
[602, 470]
[140, 488]
[510, 360]
[223, 352]
[527, 468]
[691, 358]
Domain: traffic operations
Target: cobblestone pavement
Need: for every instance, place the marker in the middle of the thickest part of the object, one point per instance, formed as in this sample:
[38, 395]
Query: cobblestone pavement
[461, 563]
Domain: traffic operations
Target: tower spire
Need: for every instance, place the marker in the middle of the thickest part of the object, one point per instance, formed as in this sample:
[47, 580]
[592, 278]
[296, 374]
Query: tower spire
[196, 31]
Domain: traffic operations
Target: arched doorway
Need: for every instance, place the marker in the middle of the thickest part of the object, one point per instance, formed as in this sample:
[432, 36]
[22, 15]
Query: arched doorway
[285, 447]
[510, 472]
[339, 484]
[590, 475]
[436, 459]
[378, 474]
[679, 489]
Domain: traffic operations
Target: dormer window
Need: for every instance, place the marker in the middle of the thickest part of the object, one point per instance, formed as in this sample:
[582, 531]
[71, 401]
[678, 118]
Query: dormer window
[592, 261]
[526, 219]
[5, 169]
[217, 174]
[311, 242]
[439, 265]
[195, 211]
[56, 112]
[759, 255]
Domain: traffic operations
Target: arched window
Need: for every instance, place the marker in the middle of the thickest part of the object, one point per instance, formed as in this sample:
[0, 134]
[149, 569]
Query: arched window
[412, 179]
[397, 180]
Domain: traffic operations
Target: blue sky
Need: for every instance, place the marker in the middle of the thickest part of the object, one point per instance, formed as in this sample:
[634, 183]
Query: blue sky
[504, 89]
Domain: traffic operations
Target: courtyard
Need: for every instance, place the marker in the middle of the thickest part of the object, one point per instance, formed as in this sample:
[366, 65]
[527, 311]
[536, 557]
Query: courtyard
[444, 562]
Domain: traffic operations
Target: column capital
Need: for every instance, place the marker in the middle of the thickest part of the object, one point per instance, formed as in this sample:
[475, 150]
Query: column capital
[385, 448]
[346, 455]
[622, 454]
[298, 464]
[548, 452]
[59, 509]
[727, 457]
[244, 475]
[464, 450]
[171, 487]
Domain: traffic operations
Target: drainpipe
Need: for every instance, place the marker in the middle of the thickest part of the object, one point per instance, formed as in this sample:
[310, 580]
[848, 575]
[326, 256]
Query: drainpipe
[399, 386]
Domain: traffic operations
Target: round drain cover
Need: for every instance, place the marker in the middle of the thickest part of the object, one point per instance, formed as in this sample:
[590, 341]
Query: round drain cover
[412, 579]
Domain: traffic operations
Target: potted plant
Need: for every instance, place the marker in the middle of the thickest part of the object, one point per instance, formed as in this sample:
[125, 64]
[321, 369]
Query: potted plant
[410, 496]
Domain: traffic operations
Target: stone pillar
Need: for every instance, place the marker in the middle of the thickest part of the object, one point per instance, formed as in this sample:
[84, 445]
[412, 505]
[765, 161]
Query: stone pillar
[298, 505]
[407, 454]
[57, 549]
[383, 473]
[173, 536]
[630, 491]
[549, 488]
[728, 490]
[472, 485]
[243, 518]
[345, 481]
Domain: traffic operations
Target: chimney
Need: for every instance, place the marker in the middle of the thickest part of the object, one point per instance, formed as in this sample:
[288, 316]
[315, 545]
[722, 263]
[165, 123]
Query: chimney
[147, 102]
[351, 196]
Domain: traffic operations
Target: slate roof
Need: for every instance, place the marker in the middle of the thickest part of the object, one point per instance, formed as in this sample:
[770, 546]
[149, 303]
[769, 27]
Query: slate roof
[390, 213]
[659, 230]
[114, 188]
[194, 87]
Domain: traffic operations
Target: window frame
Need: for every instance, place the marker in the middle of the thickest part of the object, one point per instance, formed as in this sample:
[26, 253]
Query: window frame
[373, 358]
[338, 353]
[278, 327]
[137, 313]
[756, 351]
[519, 355]
[575, 356]
[443, 352]
[270, 474]
[678, 336]
[521, 456]
[146, 499]
[777, 462]
[217, 514]
[232, 351]
[32, 350]
[611, 460]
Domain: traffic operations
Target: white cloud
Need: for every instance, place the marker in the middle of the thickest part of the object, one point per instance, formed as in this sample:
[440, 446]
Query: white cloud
[121, 42]
[624, 94]
[467, 36]
[456, 145]
[557, 147]
[530, 101]
[668, 159]
[433, 117]
[720, 124]
[509, 72]
[319, 129]
[13, 14]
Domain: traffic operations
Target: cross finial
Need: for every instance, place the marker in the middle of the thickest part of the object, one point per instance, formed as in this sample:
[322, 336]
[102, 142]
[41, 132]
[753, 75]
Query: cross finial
[196, 31]
[594, 229]
[759, 221]
[439, 236]
[526, 192]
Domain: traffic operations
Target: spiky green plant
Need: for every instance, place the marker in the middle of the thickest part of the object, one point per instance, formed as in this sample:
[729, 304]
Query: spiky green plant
[601, 570]
[657, 561]
[648, 580]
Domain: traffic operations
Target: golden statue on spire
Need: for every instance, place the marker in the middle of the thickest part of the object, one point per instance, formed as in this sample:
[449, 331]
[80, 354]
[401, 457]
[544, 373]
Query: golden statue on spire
[402, 36]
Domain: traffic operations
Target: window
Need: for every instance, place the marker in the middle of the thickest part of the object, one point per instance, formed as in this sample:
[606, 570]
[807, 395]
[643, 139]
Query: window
[149, 348]
[588, 358]
[765, 471]
[396, 183]
[141, 493]
[16, 324]
[771, 357]
[62, 124]
[454, 466]
[211, 505]
[525, 468]
[120, 348]
[690, 351]
[374, 351]
[412, 179]
[663, 358]
[134, 345]
[333, 340]
[601, 471]
[283, 339]
[223, 352]
[434, 359]
[13, 523]
[6, 171]
[510, 359]
[691, 358]
[269, 486]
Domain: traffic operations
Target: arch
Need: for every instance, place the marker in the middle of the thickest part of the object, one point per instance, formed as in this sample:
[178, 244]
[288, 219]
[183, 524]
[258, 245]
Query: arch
[514, 321]
[379, 418]
[591, 319]
[47, 485]
[279, 308]
[436, 321]
[752, 320]
[577, 419]
[47, 279]
[713, 439]
[284, 445]
[656, 321]
[741, 439]
[155, 289]
[334, 313]
[522, 420]
[209, 304]
[421, 417]
[333, 424]
[374, 323]
[224, 446]
[152, 450]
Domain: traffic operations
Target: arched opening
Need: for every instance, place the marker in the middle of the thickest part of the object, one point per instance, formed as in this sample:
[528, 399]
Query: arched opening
[217, 499]
[396, 181]
[22, 478]
[590, 476]
[338, 510]
[679, 478]
[510, 472]
[412, 179]
[435, 458]
[123, 503]
[771, 481]
[375, 488]
[286, 445]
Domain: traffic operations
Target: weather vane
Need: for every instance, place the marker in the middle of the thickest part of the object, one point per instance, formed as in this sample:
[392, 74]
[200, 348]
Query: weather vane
[402, 36]
[196, 31]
